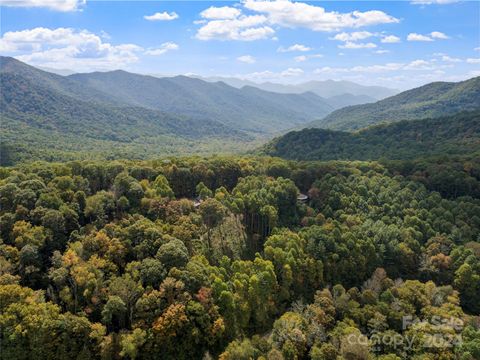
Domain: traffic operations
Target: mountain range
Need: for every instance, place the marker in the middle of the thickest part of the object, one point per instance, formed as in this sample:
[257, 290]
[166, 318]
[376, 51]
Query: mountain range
[120, 114]
[123, 114]
[248, 109]
[431, 100]
[326, 88]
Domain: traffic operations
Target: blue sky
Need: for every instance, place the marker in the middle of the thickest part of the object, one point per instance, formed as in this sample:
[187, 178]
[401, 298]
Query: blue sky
[393, 43]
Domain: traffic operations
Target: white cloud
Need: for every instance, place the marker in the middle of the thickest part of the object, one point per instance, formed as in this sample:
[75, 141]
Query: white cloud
[430, 37]
[380, 52]
[354, 45]
[296, 47]
[418, 37]
[248, 59]
[256, 33]
[297, 14]
[430, 2]
[329, 70]
[291, 72]
[162, 16]
[418, 65]
[377, 68]
[57, 5]
[473, 60]
[354, 36]
[244, 28]
[270, 75]
[351, 39]
[447, 58]
[390, 39]
[302, 58]
[228, 23]
[217, 13]
[476, 49]
[415, 65]
[162, 49]
[79, 50]
[438, 35]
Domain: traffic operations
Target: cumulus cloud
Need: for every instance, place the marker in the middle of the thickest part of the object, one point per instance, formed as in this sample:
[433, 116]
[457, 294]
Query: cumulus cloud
[418, 37]
[271, 75]
[229, 23]
[248, 59]
[302, 58]
[390, 39]
[354, 36]
[296, 47]
[329, 70]
[162, 49]
[161, 16]
[297, 14]
[438, 35]
[79, 50]
[473, 60]
[216, 13]
[291, 72]
[430, 37]
[418, 65]
[415, 65]
[447, 58]
[351, 39]
[354, 45]
[243, 28]
[56, 5]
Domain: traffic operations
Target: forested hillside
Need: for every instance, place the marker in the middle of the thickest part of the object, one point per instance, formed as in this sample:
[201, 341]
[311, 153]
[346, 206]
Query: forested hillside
[452, 135]
[109, 260]
[431, 100]
[247, 109]
[44, 118]
[121, 115]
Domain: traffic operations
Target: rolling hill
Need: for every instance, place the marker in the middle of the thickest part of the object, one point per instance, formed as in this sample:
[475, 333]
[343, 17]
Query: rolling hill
[247, 109]
[458, 134]
[431, 100]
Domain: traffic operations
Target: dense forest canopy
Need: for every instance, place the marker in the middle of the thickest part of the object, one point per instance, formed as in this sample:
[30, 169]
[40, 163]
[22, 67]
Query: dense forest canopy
[200, 258]
[457, 134]
[117, 243]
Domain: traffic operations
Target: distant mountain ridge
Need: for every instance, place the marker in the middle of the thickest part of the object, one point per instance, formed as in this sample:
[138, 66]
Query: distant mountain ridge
[431, 100]
[458, 134]
[325, 89]
[247, 109]
[119, 114]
